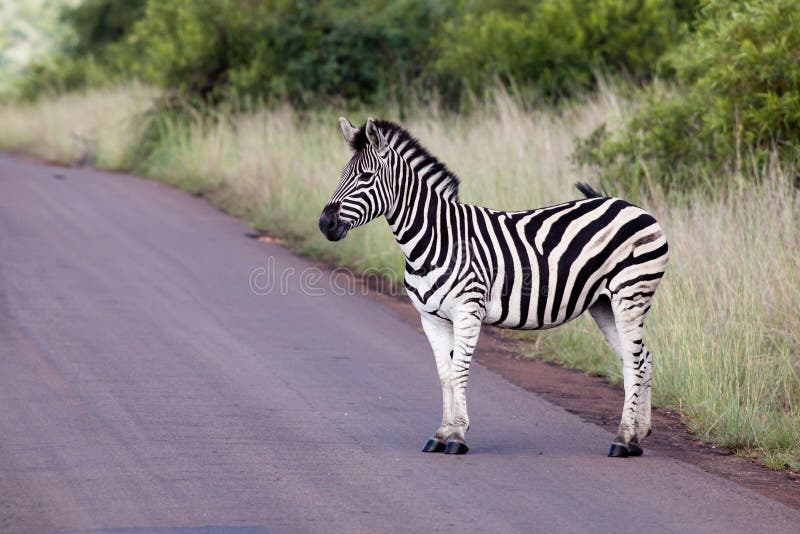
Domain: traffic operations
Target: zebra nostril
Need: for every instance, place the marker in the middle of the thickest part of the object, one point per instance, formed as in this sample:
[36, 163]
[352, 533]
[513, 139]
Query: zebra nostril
[326, 223]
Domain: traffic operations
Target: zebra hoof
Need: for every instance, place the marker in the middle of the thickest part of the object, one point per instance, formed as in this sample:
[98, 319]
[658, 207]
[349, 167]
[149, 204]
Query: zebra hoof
[618, 451]
[456, 447]
[433, 445]
[634, 449]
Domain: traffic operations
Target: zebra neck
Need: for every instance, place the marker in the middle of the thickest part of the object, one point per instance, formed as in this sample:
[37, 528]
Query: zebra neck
[422, 221]
[417, 176]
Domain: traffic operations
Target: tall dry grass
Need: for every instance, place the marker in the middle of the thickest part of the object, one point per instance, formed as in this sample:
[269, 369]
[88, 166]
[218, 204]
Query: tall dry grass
[725, 327]
[95, 127]
[725, 324]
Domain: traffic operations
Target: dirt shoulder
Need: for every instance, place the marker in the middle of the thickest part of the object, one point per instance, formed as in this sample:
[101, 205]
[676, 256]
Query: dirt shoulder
[597, 401]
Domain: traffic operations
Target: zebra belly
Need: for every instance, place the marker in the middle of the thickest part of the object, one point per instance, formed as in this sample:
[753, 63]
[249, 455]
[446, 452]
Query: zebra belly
[532, 324]
[540, 301]
[513, 320]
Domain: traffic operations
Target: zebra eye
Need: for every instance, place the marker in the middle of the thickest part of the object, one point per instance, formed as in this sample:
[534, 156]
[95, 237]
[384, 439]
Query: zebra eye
[365, 177]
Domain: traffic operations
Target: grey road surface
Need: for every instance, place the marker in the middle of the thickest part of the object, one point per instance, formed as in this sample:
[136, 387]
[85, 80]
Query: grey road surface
[146, 387]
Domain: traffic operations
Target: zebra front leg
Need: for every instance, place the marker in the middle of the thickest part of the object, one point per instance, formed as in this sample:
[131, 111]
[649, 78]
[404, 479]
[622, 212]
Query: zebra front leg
[440, 336]
[466, 329]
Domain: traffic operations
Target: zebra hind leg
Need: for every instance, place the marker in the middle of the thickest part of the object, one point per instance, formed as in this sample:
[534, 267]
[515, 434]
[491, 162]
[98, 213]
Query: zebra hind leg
[622, 320]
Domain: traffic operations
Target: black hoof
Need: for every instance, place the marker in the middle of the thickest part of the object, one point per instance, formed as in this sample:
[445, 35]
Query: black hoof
[433, 445]
[618, 451]
[456, 447]
[634, 449]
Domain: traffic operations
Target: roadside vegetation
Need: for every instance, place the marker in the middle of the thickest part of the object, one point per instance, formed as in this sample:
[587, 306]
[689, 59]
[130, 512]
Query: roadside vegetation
[700, 125]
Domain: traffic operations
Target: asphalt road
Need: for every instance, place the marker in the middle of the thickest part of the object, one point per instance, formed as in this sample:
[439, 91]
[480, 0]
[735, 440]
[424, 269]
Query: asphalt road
[145, 387]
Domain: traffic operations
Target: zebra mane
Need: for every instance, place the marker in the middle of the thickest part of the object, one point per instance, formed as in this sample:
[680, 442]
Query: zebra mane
[433, 171]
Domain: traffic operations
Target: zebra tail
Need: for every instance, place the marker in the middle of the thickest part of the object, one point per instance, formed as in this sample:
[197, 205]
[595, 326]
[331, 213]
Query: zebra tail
[589, 191]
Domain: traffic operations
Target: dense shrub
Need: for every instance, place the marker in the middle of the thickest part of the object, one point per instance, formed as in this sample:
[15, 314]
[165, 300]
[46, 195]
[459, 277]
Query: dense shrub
[59, 74]
[557, 46]
[341, 50]
[191, 46]
[97, 25]
[91, 51]
[297, 50]
[736, 103]
[304, 50]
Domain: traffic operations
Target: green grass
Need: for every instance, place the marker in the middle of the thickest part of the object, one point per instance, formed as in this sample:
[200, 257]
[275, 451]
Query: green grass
[725, 326]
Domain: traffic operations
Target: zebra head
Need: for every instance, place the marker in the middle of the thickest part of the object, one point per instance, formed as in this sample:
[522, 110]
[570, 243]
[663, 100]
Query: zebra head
[364, 191]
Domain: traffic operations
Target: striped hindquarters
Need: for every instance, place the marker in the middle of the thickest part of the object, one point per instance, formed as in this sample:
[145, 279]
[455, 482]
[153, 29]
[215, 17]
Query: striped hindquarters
[553, 263]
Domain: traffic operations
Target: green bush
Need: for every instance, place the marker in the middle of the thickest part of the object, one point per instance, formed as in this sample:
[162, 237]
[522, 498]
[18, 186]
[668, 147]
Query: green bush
[97, 25]
[365, 52]
[191, 46]
[62, 73]
[91, 52]
[295, 50]
[557, 46]
[736, 104]
[214, 50]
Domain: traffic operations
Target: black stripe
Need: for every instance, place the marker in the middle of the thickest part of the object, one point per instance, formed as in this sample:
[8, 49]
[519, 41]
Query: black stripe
[575, 251]
[592, 265]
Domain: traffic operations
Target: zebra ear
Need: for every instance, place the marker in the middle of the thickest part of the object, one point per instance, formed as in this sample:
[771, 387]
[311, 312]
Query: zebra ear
[348, 130]
[375, 136]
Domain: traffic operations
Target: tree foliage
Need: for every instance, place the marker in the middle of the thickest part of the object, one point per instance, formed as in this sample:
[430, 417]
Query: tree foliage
[98, 24]
[305, 50]
[557, 46]
[737, 99]
[299, 50]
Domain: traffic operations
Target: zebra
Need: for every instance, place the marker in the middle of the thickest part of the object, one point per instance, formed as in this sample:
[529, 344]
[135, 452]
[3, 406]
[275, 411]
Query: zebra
[469, 265]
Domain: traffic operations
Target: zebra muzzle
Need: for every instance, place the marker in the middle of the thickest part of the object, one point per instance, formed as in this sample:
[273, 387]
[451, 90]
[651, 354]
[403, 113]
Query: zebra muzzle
[330, 225]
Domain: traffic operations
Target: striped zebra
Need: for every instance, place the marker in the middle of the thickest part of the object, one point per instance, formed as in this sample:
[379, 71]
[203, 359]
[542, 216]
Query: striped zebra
[469, 265]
